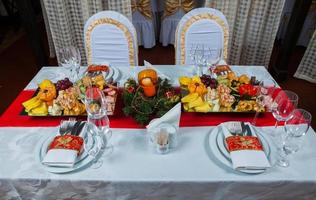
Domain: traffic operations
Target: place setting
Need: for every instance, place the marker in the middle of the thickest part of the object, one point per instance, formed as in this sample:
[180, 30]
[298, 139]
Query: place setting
[240, 147]
[79, 144]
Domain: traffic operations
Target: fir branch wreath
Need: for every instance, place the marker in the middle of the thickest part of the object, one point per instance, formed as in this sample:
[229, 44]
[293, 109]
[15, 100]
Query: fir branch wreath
[143, 108]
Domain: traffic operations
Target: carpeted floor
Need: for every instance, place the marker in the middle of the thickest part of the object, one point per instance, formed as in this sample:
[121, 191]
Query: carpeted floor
[18, 66]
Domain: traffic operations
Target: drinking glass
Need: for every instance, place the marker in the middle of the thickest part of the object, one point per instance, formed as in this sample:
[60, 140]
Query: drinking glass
[295, 127]
[93, 151]
[95, 103]
[265, 93]
[192, 53]
[69, 58]
[197, 56]
[283, 105]
[212, 58]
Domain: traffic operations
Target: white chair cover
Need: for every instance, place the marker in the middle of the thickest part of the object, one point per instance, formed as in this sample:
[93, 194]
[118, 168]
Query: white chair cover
[110, 37]
[168, 27]
[145, 29]
[201, 26]
[170, 22]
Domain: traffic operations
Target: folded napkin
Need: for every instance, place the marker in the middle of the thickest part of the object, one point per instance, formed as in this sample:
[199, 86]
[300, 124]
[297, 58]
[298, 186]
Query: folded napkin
[171, 117]
[246, 151]
[64, 150]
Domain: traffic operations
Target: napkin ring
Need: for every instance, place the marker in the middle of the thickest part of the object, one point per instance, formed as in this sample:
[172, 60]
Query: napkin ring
[236, 143]
[70, 142]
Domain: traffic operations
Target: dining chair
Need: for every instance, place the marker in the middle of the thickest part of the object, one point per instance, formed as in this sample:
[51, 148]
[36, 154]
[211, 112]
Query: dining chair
[174, 10]
[143, 21]
[110, 37]
[205, 26]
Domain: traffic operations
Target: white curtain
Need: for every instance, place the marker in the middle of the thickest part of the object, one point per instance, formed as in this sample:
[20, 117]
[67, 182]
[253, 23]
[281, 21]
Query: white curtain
[307, 68]
[253, 26]
[65, 19]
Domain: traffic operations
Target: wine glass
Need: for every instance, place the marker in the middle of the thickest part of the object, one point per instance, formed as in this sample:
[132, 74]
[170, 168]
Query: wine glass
[192, 53]
[295, 127]
[96, 107]
[93, 151]
[197, 56]
[212, 58]
[265, 92]
[69, 58]
[284, 103]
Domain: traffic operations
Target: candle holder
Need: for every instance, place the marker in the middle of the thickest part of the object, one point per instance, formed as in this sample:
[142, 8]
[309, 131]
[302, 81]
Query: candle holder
[163, 137]
[148, 79]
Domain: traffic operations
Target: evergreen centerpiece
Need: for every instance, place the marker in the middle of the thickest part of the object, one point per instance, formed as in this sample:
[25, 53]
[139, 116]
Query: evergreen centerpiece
[143, 107]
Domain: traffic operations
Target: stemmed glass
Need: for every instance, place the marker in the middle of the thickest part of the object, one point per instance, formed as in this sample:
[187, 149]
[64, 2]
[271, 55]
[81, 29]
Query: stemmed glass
[69, 58]
[192, 53]
[98, 120]
[265, 93]
[198, 57]
[204, 56]
[94, 150]
[295, 127]
[284, 103]
[212, 58]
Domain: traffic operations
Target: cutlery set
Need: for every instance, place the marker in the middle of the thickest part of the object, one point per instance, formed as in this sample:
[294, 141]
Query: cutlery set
[70, 128]
[242, 130]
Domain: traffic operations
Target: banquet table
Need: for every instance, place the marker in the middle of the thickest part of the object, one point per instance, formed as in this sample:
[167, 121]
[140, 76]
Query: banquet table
[133, 171]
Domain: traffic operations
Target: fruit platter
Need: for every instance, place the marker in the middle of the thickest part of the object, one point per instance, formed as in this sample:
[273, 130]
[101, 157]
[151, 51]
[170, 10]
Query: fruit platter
[65, 98]
[223, 92]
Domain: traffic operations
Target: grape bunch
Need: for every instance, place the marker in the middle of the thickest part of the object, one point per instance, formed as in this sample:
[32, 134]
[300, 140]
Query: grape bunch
[208, 81]
[63, 84]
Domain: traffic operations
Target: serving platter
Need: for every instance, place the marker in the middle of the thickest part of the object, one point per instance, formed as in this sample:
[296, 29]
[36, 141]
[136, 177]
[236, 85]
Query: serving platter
[223, 93]
[69, 99]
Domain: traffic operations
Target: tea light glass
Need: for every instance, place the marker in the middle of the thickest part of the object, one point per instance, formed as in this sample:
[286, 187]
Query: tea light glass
[163, 137]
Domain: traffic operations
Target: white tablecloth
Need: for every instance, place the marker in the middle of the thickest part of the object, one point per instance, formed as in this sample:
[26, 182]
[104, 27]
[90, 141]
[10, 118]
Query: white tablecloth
[132, 171]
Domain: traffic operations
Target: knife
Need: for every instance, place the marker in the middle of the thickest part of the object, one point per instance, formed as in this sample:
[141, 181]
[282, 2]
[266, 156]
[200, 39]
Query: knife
[75, 127]
[79, 129]
[248, 131]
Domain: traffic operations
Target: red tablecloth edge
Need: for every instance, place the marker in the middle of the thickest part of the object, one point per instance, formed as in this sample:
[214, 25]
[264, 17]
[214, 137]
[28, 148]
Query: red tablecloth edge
[12, 117]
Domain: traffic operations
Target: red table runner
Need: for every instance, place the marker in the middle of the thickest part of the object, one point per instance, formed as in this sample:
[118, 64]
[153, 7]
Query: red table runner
[12, 117]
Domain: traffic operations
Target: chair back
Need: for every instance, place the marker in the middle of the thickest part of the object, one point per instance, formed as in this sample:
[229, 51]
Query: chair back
[206, 26]
[110, 37]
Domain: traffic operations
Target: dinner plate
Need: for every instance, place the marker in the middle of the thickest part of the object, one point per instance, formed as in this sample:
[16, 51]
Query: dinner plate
[82, 161]
[220, 156]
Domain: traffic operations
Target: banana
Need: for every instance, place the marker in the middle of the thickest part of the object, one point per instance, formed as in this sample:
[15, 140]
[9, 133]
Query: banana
[205, 107]
[195, 103]
[31, 103]
[190, 97]
[186, 106]
[39, 110]
[184, 80]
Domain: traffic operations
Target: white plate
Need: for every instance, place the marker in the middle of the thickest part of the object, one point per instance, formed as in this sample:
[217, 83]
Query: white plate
[82, 161]
[213, 146]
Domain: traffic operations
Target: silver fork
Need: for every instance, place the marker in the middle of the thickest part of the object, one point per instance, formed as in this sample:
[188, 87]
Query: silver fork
[235, 129]
[66, 126]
